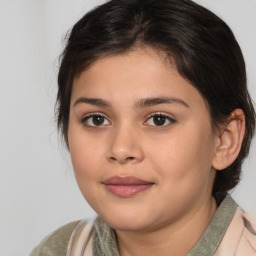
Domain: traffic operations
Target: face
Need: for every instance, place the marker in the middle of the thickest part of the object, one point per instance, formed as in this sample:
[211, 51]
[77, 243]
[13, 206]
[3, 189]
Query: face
[141, 141]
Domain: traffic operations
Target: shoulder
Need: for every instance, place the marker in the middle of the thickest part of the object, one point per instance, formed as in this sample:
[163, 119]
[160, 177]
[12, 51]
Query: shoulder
[247, 242]
[240, 237]
[56, 243]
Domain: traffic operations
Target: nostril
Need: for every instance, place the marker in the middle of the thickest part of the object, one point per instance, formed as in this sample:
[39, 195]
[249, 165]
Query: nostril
[123, 160]
[130, 158]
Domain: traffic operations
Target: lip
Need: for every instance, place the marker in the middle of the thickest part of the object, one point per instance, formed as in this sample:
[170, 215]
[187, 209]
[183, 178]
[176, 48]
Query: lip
[126, 186]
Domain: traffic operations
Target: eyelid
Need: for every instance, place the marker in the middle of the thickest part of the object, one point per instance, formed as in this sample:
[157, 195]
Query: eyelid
[85, 118]
[167, 116]
[92, 114]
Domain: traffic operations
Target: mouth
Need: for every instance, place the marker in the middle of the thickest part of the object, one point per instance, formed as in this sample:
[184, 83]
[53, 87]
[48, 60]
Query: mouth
[126, 186]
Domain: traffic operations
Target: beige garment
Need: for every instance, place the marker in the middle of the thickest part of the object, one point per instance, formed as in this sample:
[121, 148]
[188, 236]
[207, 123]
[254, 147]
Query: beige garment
[80, 242]
[240, 237]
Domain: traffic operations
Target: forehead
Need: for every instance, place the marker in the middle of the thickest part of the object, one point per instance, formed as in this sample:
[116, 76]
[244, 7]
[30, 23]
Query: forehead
[140, 73]
[141, 59]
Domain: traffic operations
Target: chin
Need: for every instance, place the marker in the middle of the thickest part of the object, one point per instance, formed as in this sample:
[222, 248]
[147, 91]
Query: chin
[126, 226]
[127, 221]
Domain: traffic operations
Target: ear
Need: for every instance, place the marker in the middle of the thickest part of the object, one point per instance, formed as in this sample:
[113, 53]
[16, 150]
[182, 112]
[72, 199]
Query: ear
[229, 140]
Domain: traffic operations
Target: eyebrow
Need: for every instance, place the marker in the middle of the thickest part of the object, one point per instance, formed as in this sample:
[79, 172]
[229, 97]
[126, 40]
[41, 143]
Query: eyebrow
[147, 102]
[142, 103]
[93, 101]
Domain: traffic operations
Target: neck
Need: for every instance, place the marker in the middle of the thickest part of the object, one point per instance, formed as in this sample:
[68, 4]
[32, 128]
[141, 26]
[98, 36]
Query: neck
[175, 239]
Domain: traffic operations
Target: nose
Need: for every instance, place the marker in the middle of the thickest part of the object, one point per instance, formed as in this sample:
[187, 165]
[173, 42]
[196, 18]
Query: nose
[125, 146]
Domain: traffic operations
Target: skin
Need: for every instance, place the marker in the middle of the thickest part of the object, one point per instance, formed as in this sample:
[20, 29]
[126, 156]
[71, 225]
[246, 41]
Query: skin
[176, 156]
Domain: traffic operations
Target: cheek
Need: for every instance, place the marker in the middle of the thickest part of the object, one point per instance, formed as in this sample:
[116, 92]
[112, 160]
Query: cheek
[85, 154]
[188, 152]
[85, 157]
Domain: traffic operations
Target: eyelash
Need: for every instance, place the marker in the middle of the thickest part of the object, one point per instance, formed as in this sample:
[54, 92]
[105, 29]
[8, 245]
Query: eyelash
[86, 119]
[165, 117]
[89, 118]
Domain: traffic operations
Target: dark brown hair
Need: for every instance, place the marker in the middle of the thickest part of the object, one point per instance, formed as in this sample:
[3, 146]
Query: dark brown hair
[202, 45]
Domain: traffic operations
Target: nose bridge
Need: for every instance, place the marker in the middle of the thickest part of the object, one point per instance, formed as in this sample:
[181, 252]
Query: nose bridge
[124, 144]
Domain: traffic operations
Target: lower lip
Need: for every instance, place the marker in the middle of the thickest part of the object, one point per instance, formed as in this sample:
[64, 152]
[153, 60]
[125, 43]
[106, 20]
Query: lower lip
[127, 190]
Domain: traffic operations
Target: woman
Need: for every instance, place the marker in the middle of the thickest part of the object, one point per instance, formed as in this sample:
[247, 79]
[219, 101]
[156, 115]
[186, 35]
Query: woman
[155, 112]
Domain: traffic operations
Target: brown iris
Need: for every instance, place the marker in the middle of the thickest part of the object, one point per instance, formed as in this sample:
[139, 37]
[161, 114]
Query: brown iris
[97, 120]
[159, 120]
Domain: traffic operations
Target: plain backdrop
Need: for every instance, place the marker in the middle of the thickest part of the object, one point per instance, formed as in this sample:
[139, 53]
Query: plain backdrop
[38, 192]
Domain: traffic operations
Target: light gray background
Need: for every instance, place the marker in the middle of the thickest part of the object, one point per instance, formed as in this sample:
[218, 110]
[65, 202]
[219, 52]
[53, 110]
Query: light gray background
[38, 192]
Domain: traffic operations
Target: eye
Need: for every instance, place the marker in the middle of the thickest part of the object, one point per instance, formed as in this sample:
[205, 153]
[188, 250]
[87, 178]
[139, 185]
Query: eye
[95, 120]
[159, 120]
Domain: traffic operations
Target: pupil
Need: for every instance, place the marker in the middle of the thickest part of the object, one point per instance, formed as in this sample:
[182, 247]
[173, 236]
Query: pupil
[159, 120]
[98, 120]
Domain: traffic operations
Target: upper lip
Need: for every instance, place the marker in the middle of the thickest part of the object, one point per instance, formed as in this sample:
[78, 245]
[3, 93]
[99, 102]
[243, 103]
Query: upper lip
[127, 180]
